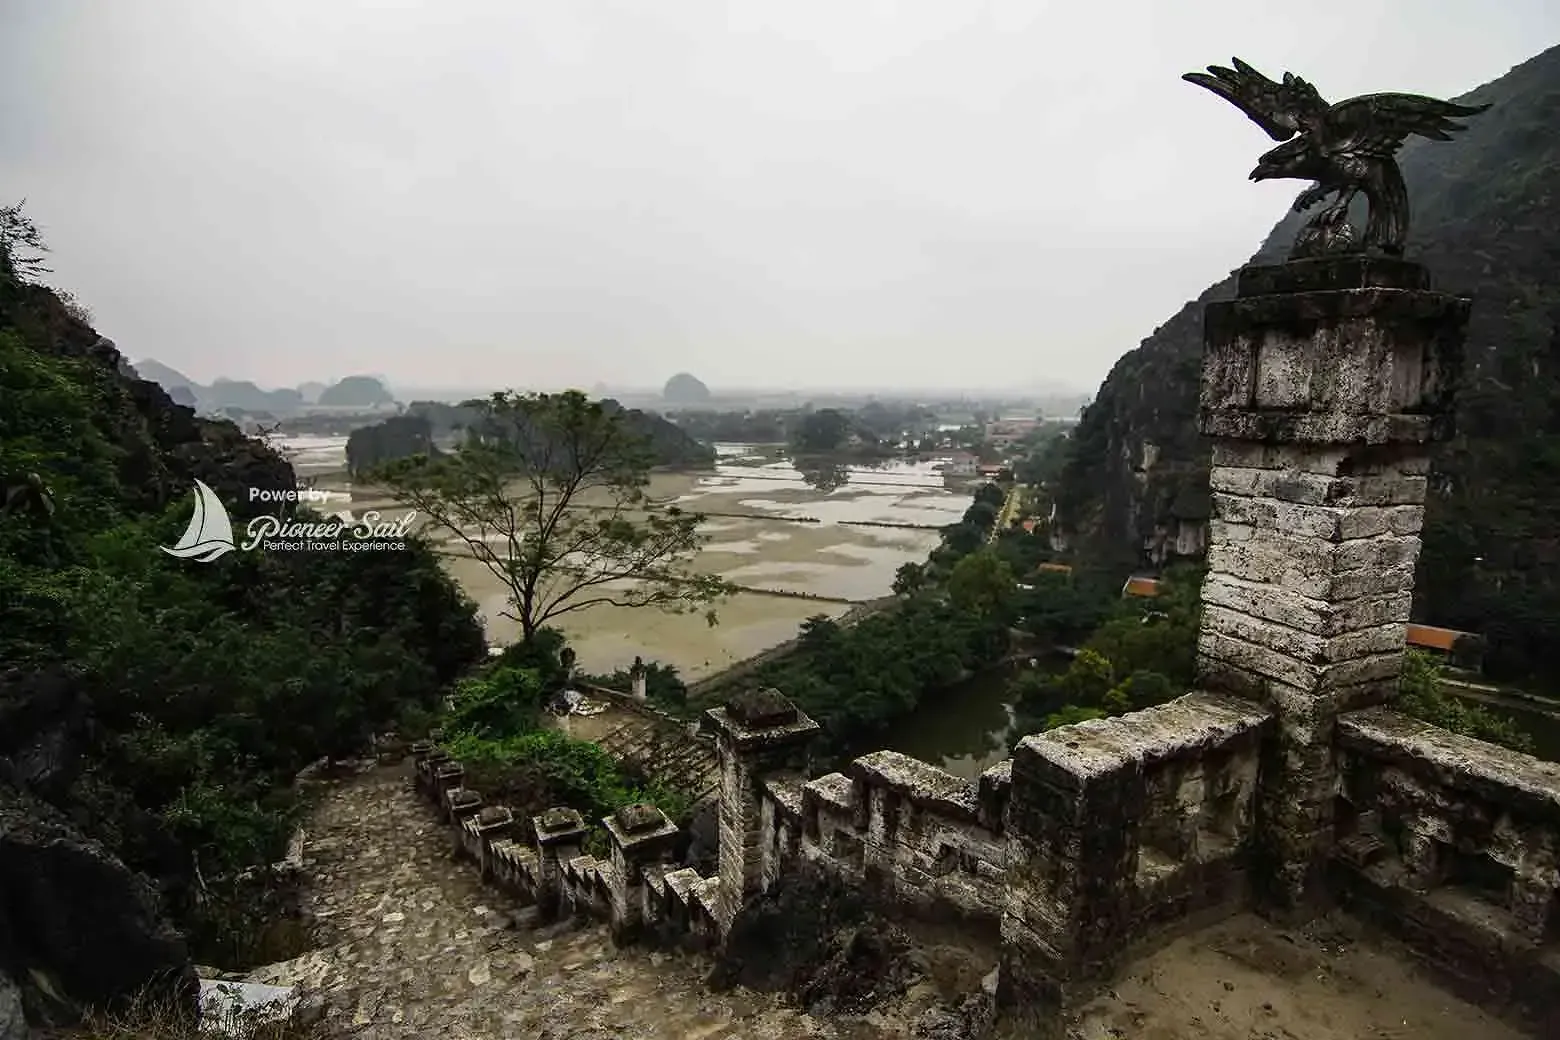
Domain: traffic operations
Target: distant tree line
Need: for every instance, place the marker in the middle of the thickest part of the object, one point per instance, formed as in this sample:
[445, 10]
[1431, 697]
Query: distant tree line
[874, 426]
[427, 424]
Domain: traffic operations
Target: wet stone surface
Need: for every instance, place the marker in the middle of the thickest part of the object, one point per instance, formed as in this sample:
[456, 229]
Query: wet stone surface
[413, 945]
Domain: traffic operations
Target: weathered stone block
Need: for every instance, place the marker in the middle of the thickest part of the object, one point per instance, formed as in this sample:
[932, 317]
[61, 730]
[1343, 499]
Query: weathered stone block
[1358, 366]
[1293, 609]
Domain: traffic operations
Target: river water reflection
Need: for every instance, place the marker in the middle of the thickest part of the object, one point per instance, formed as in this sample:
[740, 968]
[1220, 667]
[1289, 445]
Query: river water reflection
[965, 729]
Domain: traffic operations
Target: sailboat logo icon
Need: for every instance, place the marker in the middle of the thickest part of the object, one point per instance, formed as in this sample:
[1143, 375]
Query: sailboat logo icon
[210, 533]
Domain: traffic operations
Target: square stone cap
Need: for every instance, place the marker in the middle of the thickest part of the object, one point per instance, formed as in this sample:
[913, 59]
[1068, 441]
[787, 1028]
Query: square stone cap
[558, 824]
[756, 719]
[1323, 274]
[635, 826]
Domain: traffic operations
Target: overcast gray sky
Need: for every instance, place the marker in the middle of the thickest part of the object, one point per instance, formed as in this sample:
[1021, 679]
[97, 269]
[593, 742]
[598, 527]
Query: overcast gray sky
[785, 193]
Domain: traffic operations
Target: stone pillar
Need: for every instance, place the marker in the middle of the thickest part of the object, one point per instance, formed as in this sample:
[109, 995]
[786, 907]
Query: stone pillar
[560, 835]
[1325, 383]
[756, 732]
[427, 763]
[636, 680]
[640, 835]
[448, 776]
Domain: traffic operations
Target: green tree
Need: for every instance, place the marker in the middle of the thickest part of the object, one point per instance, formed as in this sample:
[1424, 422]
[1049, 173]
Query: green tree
[982, 584]
[1422, 695]
[909, 579]
[549, 493]
[822, 431]
[982, 515]
[991, 495]
[961, 539]
[21, 245]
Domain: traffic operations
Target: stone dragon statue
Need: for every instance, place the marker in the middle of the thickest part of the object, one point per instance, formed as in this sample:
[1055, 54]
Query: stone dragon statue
[1348, 149]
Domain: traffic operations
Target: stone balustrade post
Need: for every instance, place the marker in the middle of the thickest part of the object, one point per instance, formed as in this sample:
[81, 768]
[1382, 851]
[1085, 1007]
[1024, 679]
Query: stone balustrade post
[459, 803]
[427, 764]
[1325, 383]
[493, 823]
[757, 731]
[446, 776]
[560, 835]
[640, 835]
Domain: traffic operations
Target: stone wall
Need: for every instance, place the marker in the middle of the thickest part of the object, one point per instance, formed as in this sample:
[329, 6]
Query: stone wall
[635, 889]
[1119, 831]
[1454, 845]
[917, 835]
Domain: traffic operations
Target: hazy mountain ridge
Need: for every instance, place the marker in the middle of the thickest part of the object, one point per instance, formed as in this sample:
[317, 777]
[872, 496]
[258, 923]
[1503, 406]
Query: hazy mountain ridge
[1487, 223]
[242, 395]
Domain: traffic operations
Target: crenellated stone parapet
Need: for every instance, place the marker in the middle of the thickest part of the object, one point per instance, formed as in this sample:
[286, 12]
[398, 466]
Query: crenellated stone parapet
[1118, 829]
[1454, 845]
[635, 889]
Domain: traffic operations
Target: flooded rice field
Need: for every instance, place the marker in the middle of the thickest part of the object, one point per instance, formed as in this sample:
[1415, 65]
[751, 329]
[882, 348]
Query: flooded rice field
[772, 526]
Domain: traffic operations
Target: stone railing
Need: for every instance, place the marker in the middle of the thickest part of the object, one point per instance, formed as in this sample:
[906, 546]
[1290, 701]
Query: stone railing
[1454, 845]
[634, 705]
[1094, 843]
[635, 889]
[1119, 829]
[914, 833]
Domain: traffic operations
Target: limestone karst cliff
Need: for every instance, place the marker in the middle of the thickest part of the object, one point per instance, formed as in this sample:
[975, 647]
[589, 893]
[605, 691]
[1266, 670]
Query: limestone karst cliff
[1487, 223]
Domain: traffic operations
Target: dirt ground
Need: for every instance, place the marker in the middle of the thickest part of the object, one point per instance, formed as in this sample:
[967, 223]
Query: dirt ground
[1248, 980]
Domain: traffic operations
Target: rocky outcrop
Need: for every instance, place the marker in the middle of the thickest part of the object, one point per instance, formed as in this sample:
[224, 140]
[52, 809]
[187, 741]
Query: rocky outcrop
[77, 927]
[163, 445]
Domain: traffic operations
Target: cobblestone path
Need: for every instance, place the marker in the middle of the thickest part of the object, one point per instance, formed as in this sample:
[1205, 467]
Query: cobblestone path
[413, 945]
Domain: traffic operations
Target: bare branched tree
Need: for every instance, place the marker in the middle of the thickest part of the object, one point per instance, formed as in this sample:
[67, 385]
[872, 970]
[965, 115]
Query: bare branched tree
[549, 492]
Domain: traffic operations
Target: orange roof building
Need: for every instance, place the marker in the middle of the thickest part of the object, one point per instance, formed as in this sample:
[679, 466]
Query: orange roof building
[1429, 637]
[1136, 586]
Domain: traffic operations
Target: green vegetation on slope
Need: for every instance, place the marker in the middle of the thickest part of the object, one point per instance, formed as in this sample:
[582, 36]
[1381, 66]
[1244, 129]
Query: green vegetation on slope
[494, 728]
[175, 700]
[1485, 224]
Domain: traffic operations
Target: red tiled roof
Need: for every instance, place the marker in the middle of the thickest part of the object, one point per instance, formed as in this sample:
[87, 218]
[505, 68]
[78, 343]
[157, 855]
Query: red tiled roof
[1430, 637]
